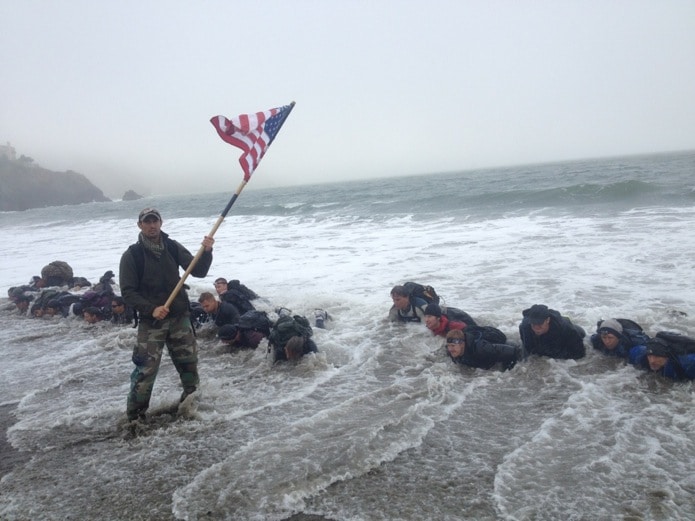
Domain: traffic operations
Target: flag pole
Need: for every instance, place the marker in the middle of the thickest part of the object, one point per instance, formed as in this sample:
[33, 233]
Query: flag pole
[217, 224]
[201, 250]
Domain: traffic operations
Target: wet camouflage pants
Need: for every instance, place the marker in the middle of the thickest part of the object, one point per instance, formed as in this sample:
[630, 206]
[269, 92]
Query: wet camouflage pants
[177, 334]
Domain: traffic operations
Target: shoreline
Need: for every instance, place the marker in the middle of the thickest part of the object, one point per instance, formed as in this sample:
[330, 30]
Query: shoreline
[12, 457]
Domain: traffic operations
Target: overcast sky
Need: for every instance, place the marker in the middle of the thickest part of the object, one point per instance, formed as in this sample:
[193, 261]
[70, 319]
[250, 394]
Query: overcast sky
[123, 91]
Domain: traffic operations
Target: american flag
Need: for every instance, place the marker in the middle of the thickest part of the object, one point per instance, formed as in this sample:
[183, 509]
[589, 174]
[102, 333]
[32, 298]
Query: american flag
[253, 133]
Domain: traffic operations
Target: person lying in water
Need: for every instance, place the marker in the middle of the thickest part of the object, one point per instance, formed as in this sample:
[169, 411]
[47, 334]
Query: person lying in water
[467, 348]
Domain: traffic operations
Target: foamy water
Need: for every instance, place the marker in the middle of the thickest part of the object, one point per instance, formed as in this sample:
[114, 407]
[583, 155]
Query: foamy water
[380, 424]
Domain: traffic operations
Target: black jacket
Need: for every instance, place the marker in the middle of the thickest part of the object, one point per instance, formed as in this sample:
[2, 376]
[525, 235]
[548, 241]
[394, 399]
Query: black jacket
[563, 340]
[227, 313]
[159, 277]
[482, 354]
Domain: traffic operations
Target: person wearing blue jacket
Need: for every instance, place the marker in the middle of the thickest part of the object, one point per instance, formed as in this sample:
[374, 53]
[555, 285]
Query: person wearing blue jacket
[612, 339]
[658, 356]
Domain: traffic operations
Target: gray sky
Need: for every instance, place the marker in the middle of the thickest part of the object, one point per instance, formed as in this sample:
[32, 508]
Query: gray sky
[122, 92]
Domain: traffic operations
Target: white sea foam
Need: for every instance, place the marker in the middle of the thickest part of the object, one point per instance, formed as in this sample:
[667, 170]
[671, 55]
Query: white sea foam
[379, 424]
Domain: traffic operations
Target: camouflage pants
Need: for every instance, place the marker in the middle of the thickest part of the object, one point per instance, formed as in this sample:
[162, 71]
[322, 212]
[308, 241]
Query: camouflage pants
[177, 334]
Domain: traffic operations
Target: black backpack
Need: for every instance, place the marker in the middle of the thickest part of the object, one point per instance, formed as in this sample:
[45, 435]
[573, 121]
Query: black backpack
[459, 315]
[240, 296]
[65, 300]
[256, 320]
[488, 333]
[426, 293]
[45, 296]
[626, 323]
[97, 299]
[286, 327]
[676, 343]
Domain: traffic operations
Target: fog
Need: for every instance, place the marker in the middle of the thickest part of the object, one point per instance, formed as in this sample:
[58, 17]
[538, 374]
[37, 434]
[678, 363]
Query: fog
[123, 92]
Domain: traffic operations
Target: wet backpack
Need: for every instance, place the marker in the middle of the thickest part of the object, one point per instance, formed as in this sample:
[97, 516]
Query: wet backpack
[488, 333]
[677, 344]
[459, 315]
[97, 299]
[240, 296]
[45, 297]
[57, 273]
[633, 331]
[80, 282]
[286, 327]
[256, 320]
[426, 293]
[65, 300]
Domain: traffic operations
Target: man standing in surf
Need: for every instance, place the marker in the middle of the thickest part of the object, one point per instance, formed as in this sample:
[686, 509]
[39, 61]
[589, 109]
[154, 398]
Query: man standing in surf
[149, 273]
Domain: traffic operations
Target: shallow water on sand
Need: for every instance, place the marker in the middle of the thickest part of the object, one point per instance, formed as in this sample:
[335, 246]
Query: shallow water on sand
[379, 425]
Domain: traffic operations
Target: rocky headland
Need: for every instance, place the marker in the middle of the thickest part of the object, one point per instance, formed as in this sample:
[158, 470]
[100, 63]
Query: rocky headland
[25, 185]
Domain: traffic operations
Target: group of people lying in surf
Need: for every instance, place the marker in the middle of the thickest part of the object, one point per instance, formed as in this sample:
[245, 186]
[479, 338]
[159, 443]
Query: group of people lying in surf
[231, 312]
[544, 332]
[57, 296]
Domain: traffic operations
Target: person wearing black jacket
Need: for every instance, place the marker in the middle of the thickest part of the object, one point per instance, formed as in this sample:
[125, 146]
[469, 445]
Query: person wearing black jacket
[221, 312]
[148, 274]
[469, 349]
[240, 337]
[121, 313]
[545, 332]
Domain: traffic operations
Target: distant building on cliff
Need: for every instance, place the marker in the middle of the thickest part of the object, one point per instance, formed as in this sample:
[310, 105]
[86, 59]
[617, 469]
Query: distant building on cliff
[8, 151]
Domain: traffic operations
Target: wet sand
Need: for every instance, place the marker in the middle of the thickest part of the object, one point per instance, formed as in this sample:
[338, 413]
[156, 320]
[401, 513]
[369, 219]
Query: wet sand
[10, 456]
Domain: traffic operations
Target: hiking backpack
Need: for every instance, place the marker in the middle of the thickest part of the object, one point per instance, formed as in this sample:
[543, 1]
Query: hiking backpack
[458, 315]
[80, 282]
[239, 295]
[46, 295]
[677, 344]
[256, 320]
[286, 327]
[488, 333]
[97, 299]
[426, 293]
[65, 300]
[57, 273]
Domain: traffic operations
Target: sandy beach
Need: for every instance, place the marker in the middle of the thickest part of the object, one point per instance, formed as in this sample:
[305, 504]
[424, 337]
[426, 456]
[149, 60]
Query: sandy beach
[10, 456]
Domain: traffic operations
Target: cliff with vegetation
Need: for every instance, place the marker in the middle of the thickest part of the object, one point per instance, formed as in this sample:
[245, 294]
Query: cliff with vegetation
[25, 185]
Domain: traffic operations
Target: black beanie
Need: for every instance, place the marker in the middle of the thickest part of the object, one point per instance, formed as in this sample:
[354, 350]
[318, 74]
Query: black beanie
[433, 310]
[657, 347]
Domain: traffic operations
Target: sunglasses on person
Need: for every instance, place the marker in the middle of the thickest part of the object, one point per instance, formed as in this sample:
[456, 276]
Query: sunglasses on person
[455, 340]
